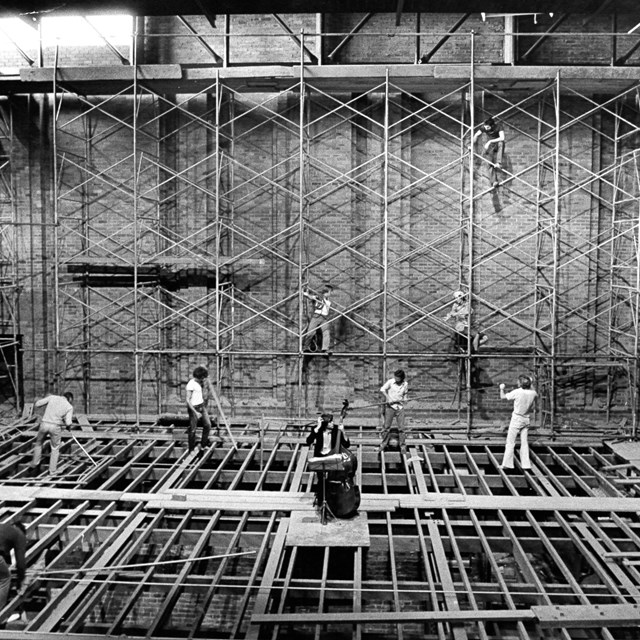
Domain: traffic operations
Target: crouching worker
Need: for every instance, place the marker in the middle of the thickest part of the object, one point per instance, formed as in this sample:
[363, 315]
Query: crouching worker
[12, 538]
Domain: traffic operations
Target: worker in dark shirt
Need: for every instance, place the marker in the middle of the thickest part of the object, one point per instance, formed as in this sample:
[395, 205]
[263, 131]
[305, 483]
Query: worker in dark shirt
[12, 538]
[493, 148]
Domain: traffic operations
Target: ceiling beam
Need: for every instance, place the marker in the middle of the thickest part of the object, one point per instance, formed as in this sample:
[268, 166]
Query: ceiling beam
[353, 31]
[199, 7]
[201, 40]
[427, 56]
[285, 27]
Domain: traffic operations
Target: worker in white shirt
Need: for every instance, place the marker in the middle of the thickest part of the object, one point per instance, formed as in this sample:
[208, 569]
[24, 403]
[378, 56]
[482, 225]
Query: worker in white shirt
[59, 413]
[395, 392]
[524, 398]
[319, 319]
[197, 407]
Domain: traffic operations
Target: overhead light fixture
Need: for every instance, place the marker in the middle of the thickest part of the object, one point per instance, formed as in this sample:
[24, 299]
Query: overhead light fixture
[505, 15]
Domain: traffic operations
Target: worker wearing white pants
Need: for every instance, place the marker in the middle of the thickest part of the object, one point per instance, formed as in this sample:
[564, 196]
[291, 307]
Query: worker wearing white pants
[518, 425]
[524, 398]
[58, 412]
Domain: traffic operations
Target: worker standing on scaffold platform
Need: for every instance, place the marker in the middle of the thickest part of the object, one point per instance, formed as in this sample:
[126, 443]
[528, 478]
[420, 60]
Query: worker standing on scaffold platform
[460, 312]
[319, 319]
[493, 149]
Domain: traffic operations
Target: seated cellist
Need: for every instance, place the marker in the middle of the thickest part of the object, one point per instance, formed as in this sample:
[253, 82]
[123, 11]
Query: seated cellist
[326, 437]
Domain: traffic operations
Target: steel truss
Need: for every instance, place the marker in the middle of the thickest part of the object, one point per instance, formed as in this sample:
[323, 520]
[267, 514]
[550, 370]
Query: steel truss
[149, 540]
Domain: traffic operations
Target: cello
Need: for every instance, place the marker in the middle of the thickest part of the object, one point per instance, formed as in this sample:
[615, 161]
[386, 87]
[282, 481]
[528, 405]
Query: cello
[343, 495]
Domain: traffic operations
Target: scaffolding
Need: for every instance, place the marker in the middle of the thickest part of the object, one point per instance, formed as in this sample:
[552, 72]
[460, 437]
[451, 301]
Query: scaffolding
[10, 338]
[226, 233]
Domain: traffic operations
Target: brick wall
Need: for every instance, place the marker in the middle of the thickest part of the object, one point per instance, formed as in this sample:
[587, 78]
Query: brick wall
[579, 39]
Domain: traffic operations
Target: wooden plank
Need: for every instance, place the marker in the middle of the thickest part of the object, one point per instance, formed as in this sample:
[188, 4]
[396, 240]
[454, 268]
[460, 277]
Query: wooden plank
[627, 481]
[399, 617]
[306, 530]
[543, 481]
[21, 634]
[300, 469]
[530, 503]
[84, 423]
[270, 571]
[450, 598]
[629, 451]
[370, 501]
[585, 616]
[416, 465]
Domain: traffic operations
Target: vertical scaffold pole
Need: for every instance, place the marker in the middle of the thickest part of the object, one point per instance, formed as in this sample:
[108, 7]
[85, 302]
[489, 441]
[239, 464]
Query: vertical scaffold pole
[470, 231]
[635, 379]
[56, 220]
[301, 161]
[217, 234]
[217, 209]
[613, 230]
[541, 288]
[136, 310]
[385, 247]
[556, 243]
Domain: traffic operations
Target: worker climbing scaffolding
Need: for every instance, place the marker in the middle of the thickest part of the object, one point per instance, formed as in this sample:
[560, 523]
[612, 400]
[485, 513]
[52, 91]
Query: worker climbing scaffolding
[493, 149]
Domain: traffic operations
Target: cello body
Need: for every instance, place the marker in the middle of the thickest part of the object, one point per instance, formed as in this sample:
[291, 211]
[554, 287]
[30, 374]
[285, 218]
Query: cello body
[343, 495]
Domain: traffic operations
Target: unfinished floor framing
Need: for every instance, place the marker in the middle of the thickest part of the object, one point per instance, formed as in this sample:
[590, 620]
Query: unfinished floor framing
[139, 538]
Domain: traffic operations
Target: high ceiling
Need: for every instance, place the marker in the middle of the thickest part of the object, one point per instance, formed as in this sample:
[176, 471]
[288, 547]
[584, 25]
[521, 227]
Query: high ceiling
[192, 7]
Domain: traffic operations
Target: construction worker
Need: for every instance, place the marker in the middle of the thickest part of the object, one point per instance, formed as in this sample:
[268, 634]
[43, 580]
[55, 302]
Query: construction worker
[395, 392]
[59, 412]
[12, 538]
[197, 407]
[319, 319]
[524, 398]
[493, 148]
